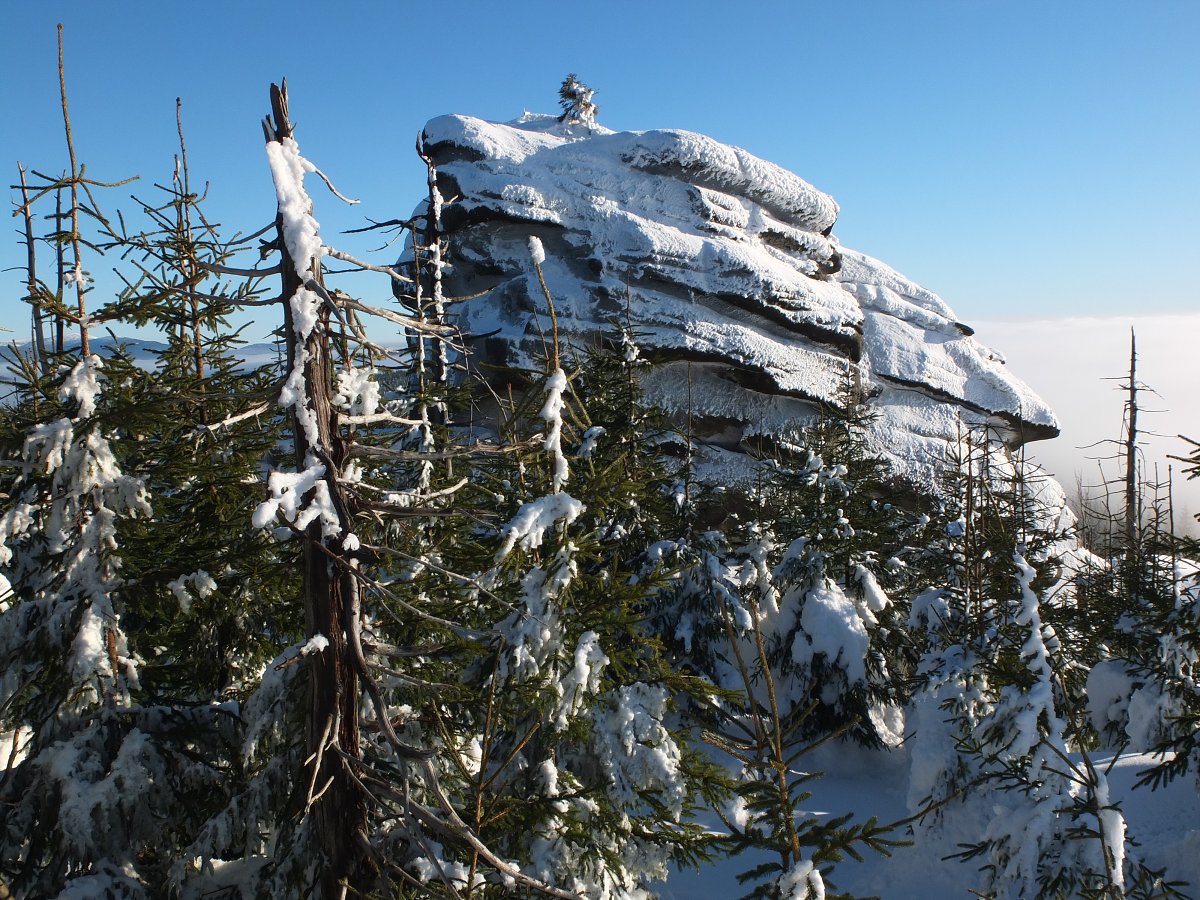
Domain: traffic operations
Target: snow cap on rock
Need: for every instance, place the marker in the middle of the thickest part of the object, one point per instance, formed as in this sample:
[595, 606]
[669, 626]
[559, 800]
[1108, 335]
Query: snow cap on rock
[726, 267]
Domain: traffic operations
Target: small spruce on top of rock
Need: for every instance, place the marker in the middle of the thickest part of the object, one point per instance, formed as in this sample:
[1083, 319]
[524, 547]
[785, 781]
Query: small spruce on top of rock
[575, 98]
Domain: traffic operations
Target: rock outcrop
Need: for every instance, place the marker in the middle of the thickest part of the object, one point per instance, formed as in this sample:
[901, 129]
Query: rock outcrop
[726, 267]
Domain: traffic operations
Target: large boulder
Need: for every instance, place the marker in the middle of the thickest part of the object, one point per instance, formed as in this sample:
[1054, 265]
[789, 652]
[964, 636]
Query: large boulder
[726, 267]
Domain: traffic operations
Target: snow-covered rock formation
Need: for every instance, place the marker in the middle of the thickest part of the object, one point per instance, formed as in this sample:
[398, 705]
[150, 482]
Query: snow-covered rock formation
[726, 267]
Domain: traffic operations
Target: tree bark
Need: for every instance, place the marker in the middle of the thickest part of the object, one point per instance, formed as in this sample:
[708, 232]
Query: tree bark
[340, 812]
[1131, 438]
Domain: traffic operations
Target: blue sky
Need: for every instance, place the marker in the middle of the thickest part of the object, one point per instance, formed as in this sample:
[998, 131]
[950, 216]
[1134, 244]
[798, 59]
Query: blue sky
[1020, 158]
[1027, 160]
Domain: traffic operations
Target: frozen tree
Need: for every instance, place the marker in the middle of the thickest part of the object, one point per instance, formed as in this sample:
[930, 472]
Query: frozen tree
[67, 676]
[579, 755]
[1161, 701]
[180, 600]
[833, 578]
[1141, 590]
[575, 98]
[78, 788]
[999, 713]
[783, 611]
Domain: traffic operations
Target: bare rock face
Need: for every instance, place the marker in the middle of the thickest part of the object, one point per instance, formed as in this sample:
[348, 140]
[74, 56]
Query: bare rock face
[726, 267]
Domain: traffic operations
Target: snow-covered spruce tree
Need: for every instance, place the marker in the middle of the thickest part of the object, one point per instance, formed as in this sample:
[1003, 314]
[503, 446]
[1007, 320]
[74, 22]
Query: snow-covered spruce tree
[575, 98]
[1136, 633]
[77, 793]
[947, 620]
[766, 735]
[324, 822]
[783, 611]
[1168, 663]
[1142, 691]
[186, 596]
[85, 778]
[1139, 590]
[361, 781]
[575, 764]
[212, 600]
[996, 722]
[840, 636]
[1127, 583]
[1035, 840]
[77, 782]
[1138, 622]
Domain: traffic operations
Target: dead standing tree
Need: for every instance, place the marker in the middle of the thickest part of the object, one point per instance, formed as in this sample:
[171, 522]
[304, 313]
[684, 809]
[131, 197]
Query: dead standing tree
[1132, 495]
[336, 795]
[67, 238]
[321, 508]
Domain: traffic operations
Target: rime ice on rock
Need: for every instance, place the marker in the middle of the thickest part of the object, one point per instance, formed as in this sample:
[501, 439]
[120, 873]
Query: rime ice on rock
[726, 267]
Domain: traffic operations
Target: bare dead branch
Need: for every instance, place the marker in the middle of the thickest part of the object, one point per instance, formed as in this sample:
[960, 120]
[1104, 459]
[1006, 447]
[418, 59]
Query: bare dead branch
[241, 273]
[394, 274]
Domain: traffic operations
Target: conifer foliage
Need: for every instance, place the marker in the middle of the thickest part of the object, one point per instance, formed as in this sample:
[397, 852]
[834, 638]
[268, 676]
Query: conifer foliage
[575, 98]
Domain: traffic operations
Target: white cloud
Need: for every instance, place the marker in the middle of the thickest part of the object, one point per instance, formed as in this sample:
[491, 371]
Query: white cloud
[1078, 364]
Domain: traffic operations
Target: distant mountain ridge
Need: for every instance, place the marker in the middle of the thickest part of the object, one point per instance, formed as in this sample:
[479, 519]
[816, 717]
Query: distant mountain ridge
[727, 267]
[145, 352]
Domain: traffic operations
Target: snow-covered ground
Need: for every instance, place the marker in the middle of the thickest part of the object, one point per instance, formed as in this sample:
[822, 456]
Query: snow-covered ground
[1165, 824]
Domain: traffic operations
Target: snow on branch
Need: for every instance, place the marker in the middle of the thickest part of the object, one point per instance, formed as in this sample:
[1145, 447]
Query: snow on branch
[551, 414]
[301, 232]
[288, 490]
[529, 526]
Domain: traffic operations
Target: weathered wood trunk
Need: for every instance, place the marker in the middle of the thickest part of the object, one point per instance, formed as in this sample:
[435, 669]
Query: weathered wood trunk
[1132, 511]
[340, 812]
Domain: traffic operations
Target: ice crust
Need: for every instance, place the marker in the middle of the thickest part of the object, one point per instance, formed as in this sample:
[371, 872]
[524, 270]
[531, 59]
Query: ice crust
[726, 267]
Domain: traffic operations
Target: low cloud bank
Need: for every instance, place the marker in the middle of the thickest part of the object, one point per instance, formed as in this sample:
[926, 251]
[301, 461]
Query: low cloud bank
[1078, 364]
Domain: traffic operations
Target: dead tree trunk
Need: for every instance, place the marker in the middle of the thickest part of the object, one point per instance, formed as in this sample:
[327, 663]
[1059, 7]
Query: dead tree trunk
[190, 268]
[38, 336]
[74, 237]
[1131, 435]
[60, 324]
[339, 807]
